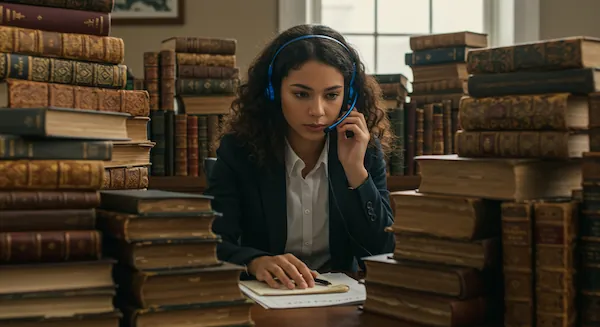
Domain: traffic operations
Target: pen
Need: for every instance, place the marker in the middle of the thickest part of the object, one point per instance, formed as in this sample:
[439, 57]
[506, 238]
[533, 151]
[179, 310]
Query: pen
[322, 281]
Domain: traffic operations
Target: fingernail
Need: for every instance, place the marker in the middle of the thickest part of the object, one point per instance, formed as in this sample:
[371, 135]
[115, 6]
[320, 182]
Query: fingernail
[303, 285]
[291, 285]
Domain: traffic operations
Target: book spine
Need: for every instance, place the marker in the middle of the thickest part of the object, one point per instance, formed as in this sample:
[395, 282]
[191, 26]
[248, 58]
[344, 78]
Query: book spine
[397, 158]
[152, 78]
[51, 175]
[48, 200]
[538, 56]
[448, 137]
[54, 70]
[167, 80]
[428, 129]
[202, 142]
[62, 45]
[424, 99]
[521, 144]
[441, 86]
[420, 131]
[410, 124]
[391, 90]
[192, 146]
[516, 112]
[436, 56]
[181, 145]
[47, 220]
[438, 129]
[169, 143]
[555, 230]
[518, 251]
[125, 178]
[197, 59]
[18, 148]
[212, 131]
[157, 154]
[456, 126]
[55, 19]
[205, 45]
[438, 41]
[105, 6]
[576, 81]
[205, 86]
[28, 94]
[207, 72]
[49, 246]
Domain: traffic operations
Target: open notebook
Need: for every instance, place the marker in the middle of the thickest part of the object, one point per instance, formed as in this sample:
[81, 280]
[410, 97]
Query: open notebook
[342, 291]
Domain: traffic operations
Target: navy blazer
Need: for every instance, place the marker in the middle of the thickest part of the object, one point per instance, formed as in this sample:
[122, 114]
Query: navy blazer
[252, 200]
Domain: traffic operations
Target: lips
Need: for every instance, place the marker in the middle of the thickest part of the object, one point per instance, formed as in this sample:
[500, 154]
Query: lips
[315, 127]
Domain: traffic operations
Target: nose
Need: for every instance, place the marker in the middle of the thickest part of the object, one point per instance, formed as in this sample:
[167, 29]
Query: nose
[317, 107]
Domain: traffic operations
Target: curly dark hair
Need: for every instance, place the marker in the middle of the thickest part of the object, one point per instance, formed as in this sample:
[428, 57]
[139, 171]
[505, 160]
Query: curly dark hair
[259, 123]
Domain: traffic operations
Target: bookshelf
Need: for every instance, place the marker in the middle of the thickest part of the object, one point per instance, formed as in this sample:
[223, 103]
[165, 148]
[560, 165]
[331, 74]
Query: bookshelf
[188, 184]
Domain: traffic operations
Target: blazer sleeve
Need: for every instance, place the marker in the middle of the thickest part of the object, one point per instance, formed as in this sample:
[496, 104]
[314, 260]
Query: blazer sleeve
[223, 187]
[374, 213]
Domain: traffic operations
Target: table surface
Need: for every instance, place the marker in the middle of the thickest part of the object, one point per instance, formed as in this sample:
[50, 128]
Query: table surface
[337, 316]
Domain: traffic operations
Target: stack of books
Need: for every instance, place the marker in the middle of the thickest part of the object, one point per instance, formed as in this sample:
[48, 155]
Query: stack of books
[52, 267]
[198, 77]
[168, 271]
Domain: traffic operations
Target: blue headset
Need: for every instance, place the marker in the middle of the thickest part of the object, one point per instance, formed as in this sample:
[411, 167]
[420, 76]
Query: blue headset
[352, 95]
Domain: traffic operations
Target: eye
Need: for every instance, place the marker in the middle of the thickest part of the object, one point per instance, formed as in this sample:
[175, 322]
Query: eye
[332, 96]
[301, 94]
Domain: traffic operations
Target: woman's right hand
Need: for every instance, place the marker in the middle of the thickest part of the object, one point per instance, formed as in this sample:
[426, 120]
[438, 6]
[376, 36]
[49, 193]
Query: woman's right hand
[286, 268]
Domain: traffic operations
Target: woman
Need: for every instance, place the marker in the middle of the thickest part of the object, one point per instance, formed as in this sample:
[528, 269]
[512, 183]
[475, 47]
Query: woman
[295, 199]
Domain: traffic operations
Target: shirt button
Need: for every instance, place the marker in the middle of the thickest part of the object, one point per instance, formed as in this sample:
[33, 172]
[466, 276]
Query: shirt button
[306, 211]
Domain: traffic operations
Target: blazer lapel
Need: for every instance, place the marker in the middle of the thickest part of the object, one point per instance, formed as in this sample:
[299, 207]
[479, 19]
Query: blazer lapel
[337, 197]
[273, 197]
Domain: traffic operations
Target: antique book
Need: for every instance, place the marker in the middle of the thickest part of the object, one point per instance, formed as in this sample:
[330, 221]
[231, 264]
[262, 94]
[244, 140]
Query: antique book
[119, 178]
[193, 163]
[48, 200]
[153, 202]
[157, 134]
[500, 179]
[460, 282]
[181, 145]
[454, 85]
[201, 87]
[16, 93]
[207, 45]
[137, 129]
[167, 80]
[456, 54]
[131, 227]
[522, 144]
[211, 72]
[64, 123]
[554, 54]
[446, 40]
[410, 125]
[205, 59]
[441, 71]
[152, 78]
[41, 175]
[14, 147]
[553, 111]
[104, 49]
[109, 319]
[203, 145]
[28, 219]
[106, 6]
[128, 154]
[204, 104]
[438, 215]
[518, 252]
[426, 98]
[49, 246]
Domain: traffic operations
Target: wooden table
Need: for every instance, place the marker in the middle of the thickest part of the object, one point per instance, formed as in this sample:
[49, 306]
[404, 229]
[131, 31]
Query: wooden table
[338, 316]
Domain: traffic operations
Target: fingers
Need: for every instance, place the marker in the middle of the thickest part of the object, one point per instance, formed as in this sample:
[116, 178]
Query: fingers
[314, 273]
[278, 271]
[265, 276]
[288, 264]
[303, 270]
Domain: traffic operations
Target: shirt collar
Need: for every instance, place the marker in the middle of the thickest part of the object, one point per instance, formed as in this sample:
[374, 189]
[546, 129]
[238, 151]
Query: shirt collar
[294, 164]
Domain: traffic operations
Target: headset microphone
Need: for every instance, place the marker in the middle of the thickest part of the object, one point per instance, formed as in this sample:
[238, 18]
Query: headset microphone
[352, 95]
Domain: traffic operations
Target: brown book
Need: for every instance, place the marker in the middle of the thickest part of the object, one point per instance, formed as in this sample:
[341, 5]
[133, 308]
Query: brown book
[522, 144]
[448, 136]
[590, 168]
[126, 154]
[167, 80]
[212, 72]
[153, 202]
[555, 54]
[41, 43]
[518, 251]
[206, 59]
[428, 73]
[55, 19]
[205, 104]
[182, 286]
[193, 164]
[410, 125]
[438, 215]
[441, 86]
[213, 134]
[222, 46]
[419, 137]
[459, 282]
[555, 229]
[423, 99]
[438, 129]
[202, 142]
[108, 319]
[132, 227]
[48, 200]
[125, 178]
[479, 254]
[426, 309]
[181, 146]
[555, 111]
[501, 179]
[137, 129]
[50, 246]
[47, 220]
[106, 6]
[428, 129]
[152, 78]
[27, 94]
[203, 87]
[62, 71]
[165, 254]
[448, 40]
[51, 175]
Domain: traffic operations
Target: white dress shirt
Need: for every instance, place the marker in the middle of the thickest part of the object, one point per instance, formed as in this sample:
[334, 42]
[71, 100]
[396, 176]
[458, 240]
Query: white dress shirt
[308, 210]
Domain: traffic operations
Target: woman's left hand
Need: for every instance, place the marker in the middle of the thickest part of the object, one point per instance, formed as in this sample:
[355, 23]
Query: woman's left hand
[351, 151]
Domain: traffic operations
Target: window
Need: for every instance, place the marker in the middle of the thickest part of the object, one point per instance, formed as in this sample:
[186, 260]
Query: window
[380, 29]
